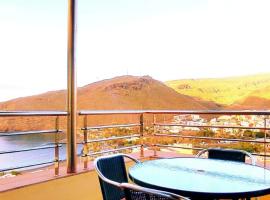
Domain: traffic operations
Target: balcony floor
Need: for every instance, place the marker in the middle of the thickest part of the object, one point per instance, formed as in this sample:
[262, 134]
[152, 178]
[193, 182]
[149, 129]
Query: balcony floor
[43, 185]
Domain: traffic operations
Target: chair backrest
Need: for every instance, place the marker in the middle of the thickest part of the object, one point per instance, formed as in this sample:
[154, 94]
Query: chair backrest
[228, 154]
[113, 168]
[134, 192]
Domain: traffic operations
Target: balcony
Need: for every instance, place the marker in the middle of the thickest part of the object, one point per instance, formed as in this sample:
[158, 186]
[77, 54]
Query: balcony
[146, 134]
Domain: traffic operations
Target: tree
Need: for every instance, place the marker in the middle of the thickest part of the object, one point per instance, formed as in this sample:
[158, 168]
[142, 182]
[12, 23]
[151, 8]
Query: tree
[259, 134]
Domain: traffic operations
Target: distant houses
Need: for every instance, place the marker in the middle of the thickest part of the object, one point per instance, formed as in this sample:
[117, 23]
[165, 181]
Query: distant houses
[191, 122]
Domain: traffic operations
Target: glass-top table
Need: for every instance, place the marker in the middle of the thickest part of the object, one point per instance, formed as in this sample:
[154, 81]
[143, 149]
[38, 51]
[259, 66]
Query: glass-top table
[201, 178]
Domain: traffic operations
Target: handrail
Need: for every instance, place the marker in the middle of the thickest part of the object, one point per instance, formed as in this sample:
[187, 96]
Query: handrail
[200, 148]
[31, 149]
[110, 126]
[172, 146]
[113, 138]
[218, 112]
[8, 134]
[113, 150]
[31, 113]
[212, 126]
[27, 166]
[210, 138]
[206, 112]
[109, 112]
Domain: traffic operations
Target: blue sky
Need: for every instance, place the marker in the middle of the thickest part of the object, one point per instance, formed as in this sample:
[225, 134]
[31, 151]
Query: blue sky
[166, 39]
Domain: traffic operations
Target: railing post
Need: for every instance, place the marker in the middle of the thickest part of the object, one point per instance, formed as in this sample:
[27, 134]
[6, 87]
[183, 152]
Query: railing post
[85, 145]
[71, 90]
[56, 149]
[264, 144]
[154, 137]
[141, 136]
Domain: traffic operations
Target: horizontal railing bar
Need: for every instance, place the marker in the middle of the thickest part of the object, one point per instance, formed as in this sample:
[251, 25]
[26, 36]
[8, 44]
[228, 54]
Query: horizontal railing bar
[26, 166]
[193, 148]
[210, 138]
[8, 134]
[31, 113]
[199, 148]
[113, 138]
[211, 126]
[30, 149]
[109, 112]
[218, 112]
[113, 150]
[110, 126]
[258, 154]
[64, 143]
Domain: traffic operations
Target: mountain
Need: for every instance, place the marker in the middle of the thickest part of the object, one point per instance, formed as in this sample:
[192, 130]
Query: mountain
[119, 93]
[257, 100]
[124, 92]
[225, 91]
[251, 103]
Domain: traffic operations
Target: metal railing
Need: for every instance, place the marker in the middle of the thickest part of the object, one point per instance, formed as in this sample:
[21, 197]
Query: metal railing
[88, 128]
[156, 124]
[56, 131]
[264, 128]
[141, 134]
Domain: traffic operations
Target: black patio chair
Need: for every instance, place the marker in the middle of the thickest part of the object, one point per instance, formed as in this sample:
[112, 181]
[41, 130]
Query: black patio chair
[227, 154]
[112, 171]
[114, 181]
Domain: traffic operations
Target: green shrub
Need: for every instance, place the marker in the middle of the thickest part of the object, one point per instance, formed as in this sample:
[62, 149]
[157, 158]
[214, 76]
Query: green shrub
[16, 173]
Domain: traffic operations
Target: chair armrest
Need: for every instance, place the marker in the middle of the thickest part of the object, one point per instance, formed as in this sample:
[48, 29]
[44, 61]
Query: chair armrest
[253, 159]
[131, 158]
[102, 177]
[201, 152]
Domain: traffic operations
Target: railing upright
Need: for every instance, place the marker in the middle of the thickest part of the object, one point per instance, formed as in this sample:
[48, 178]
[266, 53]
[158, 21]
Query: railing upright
[141, 135]
[154, 142]
[56, 149]
[264, 145]
[85, 145]
[154, 138]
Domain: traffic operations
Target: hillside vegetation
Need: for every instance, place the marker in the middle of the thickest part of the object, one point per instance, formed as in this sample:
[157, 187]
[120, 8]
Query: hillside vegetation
[225, 91]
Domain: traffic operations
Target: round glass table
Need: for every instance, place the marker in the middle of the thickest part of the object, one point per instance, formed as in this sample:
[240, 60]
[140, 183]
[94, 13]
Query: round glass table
[200, 178]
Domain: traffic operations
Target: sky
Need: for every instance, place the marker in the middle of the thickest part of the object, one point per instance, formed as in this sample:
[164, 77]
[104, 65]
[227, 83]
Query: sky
[166, 39]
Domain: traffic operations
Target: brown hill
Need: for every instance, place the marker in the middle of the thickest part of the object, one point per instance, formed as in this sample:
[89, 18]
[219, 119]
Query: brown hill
[124, 92]
[251, 103]
[257, 100]
[120, 93]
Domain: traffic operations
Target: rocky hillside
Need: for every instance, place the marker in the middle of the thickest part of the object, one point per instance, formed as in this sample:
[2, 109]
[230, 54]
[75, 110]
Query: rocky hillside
[120, 93]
